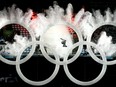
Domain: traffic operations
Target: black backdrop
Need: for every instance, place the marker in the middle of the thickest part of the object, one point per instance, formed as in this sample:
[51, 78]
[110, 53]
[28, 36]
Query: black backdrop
[40, 5]
[83, 68]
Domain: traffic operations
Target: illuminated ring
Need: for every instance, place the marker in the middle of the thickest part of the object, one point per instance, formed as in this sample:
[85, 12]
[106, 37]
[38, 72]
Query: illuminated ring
[32, 49]
[50, 59]
[85, 83]
[92, 53]
[36, 83]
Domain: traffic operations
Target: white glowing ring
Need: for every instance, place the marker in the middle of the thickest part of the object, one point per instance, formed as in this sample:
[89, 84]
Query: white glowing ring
[112, 62]
[57, 61]
[32, 49]
[102, 73]
[36, 83]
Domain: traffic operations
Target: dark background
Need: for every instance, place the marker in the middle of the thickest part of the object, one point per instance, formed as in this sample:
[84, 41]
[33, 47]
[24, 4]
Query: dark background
[40, 5]
[38, 68]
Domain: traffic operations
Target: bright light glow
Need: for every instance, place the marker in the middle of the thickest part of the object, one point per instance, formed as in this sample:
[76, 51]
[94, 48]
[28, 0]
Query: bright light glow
[54, 37]
[54, 27]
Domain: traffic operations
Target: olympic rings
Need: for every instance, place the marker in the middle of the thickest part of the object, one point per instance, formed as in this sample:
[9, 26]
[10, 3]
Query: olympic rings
[94, 56]
[37, 83]
[65, 67]
[32, 49]
[57, 61]
[98, 77]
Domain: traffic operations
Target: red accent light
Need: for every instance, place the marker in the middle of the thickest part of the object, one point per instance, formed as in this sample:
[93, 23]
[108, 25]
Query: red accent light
[34, 16]
[73, 17]
[21, 29]
[72, 32]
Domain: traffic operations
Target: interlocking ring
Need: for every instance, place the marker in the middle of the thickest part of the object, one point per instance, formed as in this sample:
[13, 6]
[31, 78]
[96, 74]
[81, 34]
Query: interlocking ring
[101, 73]
[15, 15]
[62, 62]
[32, 49]
[112, 62]
[36, 83]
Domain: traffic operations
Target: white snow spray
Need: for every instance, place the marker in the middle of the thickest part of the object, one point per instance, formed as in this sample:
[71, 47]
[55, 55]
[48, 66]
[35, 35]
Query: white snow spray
[55, 32]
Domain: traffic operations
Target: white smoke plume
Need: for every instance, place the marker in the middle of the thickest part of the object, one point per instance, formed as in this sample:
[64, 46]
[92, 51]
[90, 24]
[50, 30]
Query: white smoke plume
[13, 15]
[14, 48]
[96, 20]
[51, 25]
[105, 43]
[53, 28]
